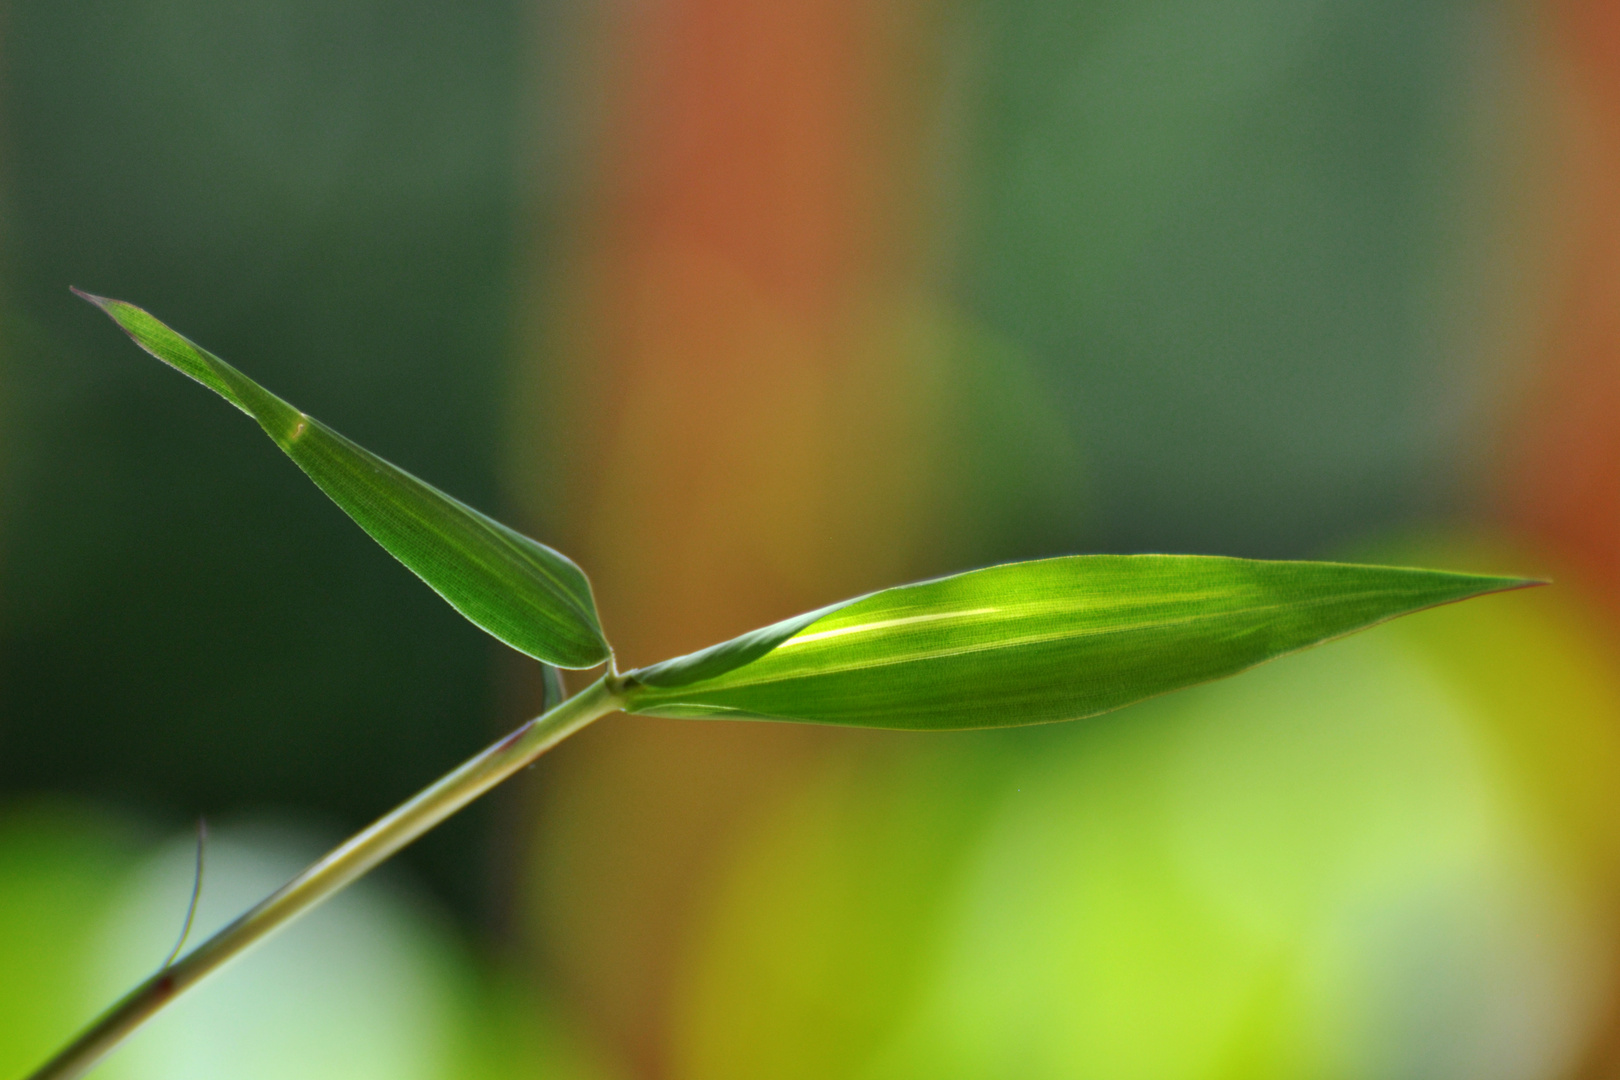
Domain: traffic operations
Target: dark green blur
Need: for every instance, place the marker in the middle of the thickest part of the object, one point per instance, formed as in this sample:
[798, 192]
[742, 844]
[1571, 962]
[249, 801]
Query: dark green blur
[329, 194]
[1228, 235]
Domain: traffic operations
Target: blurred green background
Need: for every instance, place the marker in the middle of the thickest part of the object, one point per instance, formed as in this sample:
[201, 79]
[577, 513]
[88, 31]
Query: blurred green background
[748, 308]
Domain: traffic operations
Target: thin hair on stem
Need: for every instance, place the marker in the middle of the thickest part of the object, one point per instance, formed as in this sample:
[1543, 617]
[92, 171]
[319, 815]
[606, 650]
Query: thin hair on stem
[196, 895]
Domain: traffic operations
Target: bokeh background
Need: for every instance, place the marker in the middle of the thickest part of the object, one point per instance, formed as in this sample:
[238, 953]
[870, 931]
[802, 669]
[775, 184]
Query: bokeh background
[750, 307]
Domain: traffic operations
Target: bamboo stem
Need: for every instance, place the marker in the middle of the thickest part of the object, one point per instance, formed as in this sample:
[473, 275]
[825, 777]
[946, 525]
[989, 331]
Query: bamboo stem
[339, 868]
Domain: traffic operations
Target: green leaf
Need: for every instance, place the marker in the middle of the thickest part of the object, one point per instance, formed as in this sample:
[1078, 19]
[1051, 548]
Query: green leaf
[531, 597]
[1035, 642]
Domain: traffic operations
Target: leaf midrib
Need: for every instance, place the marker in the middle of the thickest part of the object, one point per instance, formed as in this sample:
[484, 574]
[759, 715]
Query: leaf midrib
[725, 683]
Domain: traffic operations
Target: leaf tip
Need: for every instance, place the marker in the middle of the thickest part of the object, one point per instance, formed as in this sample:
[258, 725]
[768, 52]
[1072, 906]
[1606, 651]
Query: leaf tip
[1512, 584]
[89, 297]
[1474, 586]
[109, 307]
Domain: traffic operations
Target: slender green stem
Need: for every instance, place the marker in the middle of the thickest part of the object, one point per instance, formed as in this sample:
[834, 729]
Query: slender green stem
[359, 854]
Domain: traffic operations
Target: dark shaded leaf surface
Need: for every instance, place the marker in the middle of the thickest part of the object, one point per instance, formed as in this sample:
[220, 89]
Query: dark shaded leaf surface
[524, 593]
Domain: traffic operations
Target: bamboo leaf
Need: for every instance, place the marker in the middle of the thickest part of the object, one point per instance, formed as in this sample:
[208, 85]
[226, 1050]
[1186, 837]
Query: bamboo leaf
[531, 597]
[1035, 642]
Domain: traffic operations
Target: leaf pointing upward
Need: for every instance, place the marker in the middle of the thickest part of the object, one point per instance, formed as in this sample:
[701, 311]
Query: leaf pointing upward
[531, 597]
[1031, 642]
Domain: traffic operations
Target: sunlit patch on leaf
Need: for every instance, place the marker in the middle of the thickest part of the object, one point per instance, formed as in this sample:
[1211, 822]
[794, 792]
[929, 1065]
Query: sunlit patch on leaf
[1035, 642]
